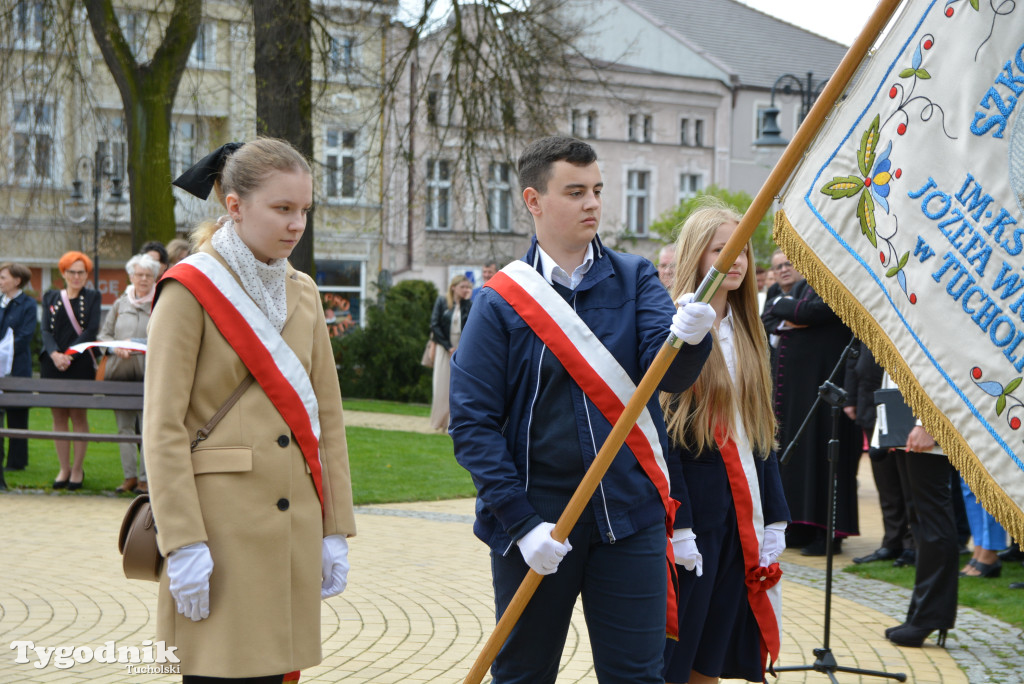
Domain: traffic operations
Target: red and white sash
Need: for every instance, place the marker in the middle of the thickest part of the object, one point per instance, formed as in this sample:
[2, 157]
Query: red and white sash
[763, 590]
[598, 374]
[262, 349]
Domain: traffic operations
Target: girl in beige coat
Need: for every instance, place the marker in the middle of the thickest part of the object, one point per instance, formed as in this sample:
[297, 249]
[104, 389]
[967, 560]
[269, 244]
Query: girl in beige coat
[251, 547]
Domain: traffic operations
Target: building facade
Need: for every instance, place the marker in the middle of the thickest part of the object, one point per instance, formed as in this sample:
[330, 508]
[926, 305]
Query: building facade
[61, 111]
[671, 95]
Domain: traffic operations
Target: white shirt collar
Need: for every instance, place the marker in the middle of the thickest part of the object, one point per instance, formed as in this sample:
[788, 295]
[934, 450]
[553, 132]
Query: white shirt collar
[5, 300]
[553, 273]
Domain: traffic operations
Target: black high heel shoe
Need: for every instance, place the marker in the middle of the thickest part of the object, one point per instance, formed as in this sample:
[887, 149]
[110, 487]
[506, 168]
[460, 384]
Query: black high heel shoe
[992, 570]
[913, 637]
[60, 484]
[74, 486]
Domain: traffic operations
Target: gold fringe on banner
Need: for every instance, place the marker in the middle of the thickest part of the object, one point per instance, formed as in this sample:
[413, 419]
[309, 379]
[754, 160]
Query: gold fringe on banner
[995, 500]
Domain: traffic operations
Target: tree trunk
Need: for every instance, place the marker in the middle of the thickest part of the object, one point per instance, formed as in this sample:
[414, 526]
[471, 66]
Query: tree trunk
[284, 94]
[147, 94]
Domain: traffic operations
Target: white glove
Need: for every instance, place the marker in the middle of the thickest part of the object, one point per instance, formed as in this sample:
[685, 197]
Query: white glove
[693, 319]
[334, 565]
[189, 569]
[774, 543]
[540, 550]
[684, 545]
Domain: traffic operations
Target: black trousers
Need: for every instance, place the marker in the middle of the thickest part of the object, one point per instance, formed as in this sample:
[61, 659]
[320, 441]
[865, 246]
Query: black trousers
[891, 500]
[17, 449]
[926, 482]
[198, 679]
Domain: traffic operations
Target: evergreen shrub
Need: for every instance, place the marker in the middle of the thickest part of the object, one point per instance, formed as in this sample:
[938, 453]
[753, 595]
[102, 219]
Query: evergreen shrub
[382, 359]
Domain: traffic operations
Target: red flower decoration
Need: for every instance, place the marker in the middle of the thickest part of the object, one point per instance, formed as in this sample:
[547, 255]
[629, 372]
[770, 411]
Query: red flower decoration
[763, 579]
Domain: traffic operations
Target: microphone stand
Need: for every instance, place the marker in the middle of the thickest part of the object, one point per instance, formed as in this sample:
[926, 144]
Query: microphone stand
[835, 397]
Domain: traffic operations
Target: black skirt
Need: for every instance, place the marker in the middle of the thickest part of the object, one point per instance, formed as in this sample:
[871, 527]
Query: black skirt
[81, 368]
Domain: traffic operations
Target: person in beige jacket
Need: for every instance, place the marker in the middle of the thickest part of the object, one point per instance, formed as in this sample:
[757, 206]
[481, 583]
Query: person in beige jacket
[251, 549]
[128, 320]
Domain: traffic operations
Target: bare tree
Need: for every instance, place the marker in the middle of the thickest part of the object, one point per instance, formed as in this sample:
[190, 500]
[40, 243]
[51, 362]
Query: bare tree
[147, 93]
[471, 89]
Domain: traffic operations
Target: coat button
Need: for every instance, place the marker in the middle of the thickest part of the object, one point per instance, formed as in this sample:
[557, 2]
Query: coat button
[282, 504]
[283, 441]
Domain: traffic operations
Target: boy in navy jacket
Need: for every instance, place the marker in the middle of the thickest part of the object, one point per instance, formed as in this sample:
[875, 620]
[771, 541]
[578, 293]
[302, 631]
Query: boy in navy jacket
[526, 432]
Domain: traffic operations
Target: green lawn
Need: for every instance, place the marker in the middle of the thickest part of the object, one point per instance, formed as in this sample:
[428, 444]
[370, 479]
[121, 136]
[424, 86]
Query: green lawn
[990, 596]
[387, 465]
[381, 406]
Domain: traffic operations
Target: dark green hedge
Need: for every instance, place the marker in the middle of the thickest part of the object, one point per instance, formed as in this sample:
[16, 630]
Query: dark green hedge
[382, 359]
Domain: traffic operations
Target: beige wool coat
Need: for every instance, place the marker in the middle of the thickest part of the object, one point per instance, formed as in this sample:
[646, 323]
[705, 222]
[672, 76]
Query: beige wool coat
[246, 491]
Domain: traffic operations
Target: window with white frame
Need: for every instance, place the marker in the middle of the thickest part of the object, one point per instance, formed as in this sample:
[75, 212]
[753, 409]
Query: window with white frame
[439, 187]
[759, 120]
[435, 101]
[584, 124]
[499, 197]
[35, 127]
[641, 127]
[698, 133]
[638, 201]
[342, 54]
[340, 164]
[684, 131]
[112, 145]
[31, 19]
[689, 185]
[204, 50]
[184, 144]
[133, 27]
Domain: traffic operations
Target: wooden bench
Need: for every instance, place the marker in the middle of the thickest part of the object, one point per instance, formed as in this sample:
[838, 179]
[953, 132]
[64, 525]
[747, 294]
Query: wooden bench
[57, 393]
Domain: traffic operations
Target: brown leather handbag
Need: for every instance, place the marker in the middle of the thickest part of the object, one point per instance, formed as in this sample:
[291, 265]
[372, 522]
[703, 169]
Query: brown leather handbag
[136, 541]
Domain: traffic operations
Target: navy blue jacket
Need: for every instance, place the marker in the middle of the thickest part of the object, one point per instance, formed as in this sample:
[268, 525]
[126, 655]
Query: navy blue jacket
[494, 378]
[701, 485]
[20, 316]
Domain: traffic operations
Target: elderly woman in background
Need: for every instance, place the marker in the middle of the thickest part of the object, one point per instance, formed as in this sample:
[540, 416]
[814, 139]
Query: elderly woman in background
[70, 316]
[446, 322]
[127, 320]
[17, 313]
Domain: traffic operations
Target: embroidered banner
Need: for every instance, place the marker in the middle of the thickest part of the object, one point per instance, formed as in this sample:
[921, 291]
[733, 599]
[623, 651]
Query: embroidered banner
[905, 215]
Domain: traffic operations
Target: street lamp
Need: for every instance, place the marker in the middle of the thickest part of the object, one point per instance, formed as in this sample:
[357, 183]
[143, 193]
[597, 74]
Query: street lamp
[771, 134]
[102, 165]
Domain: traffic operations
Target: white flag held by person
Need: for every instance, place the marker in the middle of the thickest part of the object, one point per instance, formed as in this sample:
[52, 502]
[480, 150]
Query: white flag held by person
[907, 216]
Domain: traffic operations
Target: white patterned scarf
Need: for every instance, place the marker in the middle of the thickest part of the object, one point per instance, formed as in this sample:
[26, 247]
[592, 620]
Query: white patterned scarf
[263, 282]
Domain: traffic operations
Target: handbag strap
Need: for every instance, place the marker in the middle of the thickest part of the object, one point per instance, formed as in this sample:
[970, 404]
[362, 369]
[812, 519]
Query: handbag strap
[204, 432]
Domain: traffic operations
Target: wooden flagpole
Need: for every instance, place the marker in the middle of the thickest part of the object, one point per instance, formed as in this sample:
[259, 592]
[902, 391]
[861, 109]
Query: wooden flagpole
[648, 385]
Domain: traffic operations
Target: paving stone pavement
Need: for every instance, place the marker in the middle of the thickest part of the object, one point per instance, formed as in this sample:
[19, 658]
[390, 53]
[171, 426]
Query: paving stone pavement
[418, 606]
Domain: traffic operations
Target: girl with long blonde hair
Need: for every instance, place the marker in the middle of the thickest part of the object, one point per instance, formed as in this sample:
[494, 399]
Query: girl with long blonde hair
[721, 433]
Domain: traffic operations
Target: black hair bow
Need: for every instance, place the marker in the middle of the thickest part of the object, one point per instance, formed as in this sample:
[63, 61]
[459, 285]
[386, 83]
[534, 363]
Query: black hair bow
[198, 179]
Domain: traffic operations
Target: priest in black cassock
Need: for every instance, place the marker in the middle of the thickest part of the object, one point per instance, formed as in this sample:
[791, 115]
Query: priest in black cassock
[809, 338]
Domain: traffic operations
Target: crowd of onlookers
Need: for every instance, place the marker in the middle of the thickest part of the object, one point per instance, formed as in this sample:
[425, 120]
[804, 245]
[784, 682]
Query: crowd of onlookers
[71, 315]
